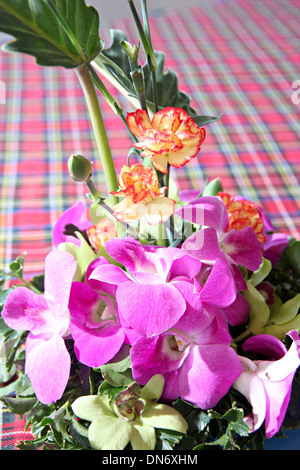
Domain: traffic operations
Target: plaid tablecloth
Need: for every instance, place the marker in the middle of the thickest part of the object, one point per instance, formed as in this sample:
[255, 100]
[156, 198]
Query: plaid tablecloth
[236, 57]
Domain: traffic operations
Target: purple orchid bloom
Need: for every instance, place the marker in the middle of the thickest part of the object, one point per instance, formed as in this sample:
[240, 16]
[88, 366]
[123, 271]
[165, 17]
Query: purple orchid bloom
[76, 215]
[194, 356]
[267, 383]
[96, 326]
[46, 317]
[147, 294]
[239, 247]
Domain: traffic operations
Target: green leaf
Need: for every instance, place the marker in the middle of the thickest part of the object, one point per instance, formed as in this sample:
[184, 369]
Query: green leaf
[114, 63]
[57, 32]
[204, 120]
[115, 378]
[19, 406]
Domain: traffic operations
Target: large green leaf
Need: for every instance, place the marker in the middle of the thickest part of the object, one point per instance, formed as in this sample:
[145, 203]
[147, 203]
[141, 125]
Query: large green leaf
[57, 32]
[115, 60]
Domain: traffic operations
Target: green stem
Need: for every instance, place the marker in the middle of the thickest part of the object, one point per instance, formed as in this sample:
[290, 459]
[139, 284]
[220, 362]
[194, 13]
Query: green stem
[154, 87]
[99, 130]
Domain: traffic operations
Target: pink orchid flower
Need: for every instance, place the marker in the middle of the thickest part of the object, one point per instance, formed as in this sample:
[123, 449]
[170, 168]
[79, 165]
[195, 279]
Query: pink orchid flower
[215, 238]
[194, 356]
[267, 384]
[148, 290]
[46, 317]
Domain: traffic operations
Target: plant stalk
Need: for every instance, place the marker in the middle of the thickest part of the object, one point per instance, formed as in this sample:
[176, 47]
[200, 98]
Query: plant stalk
[99, 130]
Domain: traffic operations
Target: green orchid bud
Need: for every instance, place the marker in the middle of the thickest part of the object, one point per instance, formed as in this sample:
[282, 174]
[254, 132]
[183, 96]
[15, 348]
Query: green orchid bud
[80, 168]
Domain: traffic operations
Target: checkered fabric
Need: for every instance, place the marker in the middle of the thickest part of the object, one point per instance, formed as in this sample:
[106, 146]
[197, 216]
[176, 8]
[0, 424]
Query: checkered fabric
[236, 57]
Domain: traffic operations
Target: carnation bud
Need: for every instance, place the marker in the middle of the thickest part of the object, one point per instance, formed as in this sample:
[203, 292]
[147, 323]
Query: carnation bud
[80, 168]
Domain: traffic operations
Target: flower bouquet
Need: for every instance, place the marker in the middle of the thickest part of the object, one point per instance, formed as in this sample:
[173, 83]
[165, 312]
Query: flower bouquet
[164, 320]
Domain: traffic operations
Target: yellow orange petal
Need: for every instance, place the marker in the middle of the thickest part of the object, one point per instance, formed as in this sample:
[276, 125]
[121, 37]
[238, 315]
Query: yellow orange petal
[159, 210]
[160, 162]
[138, 121]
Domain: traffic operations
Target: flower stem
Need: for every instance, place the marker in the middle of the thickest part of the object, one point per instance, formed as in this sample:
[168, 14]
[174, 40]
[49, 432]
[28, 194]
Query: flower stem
[99, 130]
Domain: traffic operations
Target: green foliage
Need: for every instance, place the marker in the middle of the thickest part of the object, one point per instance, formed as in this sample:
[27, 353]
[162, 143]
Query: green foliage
[115, 62]
[57, 32]
[285, 275]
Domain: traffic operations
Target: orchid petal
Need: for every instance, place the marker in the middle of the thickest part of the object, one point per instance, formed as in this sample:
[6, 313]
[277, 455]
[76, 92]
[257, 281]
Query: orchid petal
[243, 248]
[47, 366]
[220, 288]
[142, 437]
[60, 267]
[149, 309]
[249, 385]
[95, 347]
[109, 433]
[209, 372]
[165, 417]
[203, 245]
[76, 215]
[129, 253]
[207, 211]
[90, 407]
[25, 310]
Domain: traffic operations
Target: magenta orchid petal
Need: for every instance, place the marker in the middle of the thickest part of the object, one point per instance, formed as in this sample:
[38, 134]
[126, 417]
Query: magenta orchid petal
[278, 398]
[60, 267]
[249, 385]
[237, 313]
[157, 353]
[274, 246]
[243, 247]
[25, 310]
[75, 215]
[95, 347]
[108, 274]
[203, 245]
[94, 326]
[47, 366]
[219, 288]
[149, 308]
[197, 315]
[207, 211]
[265, 345]
[130, 253]
[209, 371]
[275, 377]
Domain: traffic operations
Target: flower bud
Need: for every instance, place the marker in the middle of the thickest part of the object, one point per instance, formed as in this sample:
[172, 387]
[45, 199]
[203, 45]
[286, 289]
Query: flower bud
[80, 168]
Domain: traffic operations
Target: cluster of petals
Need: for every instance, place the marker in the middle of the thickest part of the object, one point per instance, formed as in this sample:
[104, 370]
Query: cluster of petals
[142, 196]
[216, 239]
[170, 137]
[267, 382]
[47, 318]
[190, 344]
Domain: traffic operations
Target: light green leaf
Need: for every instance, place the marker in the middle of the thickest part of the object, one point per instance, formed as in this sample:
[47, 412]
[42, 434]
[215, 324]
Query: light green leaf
[57, 32]
[261, 273]
[287, 311]
[258, 310]
[83, 254]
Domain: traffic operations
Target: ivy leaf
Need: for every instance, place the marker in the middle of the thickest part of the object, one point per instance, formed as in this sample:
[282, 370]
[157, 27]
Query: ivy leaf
[57, 32]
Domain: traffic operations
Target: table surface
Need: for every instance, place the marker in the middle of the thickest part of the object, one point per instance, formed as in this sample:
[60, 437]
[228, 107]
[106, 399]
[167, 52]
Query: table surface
[236, 57]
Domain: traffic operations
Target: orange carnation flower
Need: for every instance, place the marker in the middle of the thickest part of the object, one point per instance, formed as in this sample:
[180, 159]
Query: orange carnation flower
[100, 233]
[172, 136]
[142, 196]
[243, 213]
